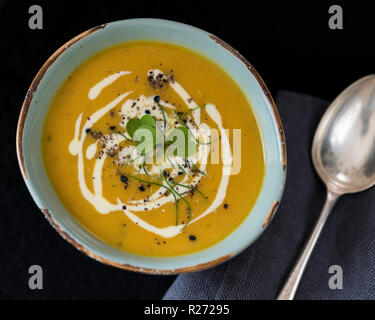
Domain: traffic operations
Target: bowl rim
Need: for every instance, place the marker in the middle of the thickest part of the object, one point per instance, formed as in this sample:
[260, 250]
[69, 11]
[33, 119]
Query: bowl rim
[81, 247]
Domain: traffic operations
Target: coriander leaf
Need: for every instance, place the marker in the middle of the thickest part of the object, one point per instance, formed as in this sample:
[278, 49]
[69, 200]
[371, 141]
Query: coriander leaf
[148, 120]
[145, 136]
[132, 126]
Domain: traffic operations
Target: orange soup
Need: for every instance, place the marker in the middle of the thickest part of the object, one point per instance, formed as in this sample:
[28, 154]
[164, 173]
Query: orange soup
[154, 149]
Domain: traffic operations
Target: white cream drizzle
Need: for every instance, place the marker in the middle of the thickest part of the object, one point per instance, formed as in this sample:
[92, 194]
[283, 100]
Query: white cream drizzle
[95, 90]
[157, 199]
[91, 150]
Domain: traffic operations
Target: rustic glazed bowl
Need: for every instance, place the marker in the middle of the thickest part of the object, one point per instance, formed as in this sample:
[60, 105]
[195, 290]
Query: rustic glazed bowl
[61, 64]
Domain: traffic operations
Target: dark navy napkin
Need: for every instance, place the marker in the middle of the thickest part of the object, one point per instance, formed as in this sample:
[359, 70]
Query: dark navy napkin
[348, 239]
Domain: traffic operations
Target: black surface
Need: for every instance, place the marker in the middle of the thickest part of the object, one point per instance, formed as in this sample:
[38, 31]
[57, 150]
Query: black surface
[290, 45]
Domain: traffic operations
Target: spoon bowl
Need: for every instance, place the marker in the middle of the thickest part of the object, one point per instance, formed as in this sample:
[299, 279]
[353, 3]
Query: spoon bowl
[343, 154]
[343, 151]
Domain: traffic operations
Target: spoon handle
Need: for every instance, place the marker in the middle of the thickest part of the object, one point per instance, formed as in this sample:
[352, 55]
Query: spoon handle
[291, 285]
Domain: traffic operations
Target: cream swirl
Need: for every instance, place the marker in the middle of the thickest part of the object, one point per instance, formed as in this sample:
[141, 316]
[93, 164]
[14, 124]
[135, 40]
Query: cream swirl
[158, 198]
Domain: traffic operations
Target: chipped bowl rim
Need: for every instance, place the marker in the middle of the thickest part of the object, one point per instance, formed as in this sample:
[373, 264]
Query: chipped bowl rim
[184, 263]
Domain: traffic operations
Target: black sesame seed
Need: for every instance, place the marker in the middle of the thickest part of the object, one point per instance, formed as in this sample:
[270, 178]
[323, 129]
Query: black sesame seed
[124, 207]
[165, 173]
[141, 188]
[147, 111]
[192, 237]
[180, 173]
[88, 130]
[226, 205]
[112, 127]
[157, 99]
[124, 179]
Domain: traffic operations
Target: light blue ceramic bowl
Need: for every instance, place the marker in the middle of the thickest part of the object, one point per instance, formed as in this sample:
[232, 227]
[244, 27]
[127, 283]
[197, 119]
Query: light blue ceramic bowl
[59, 66]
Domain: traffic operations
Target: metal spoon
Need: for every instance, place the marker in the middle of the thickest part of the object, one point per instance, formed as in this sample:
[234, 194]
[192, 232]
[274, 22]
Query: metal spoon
[343, 155]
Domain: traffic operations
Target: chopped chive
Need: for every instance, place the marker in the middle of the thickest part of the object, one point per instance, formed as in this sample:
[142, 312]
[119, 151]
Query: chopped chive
[124, 136]
[191, 188]
[144, 169]
[132, 160]
[193, 109]
[160, 185]
[182, 168]
[144, 181]
[164, 117]
[197, 169]
[169, 160]
[187, 203]
[185, 125]
[176, 192]
[178, 165]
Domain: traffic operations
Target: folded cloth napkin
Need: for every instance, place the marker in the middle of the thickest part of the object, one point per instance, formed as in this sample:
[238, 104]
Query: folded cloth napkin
[347, 239]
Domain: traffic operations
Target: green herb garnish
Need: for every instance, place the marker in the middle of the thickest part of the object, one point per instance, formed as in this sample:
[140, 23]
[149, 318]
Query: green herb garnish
[148, 123]
[122, 135]
[169, 160]
[182, 168]
[134, 124]
[197, 169]
[145, 145]
[144, 169]
[132, 160]
[148, 120]
[196, 108]
[186, 126]
[182, 198]
[176, 192]
[191, 188]
[160, 185]
[164, 117]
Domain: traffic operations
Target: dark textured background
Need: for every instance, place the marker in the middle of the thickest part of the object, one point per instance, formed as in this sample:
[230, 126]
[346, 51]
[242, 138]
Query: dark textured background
[290, 45]
[347, 240]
